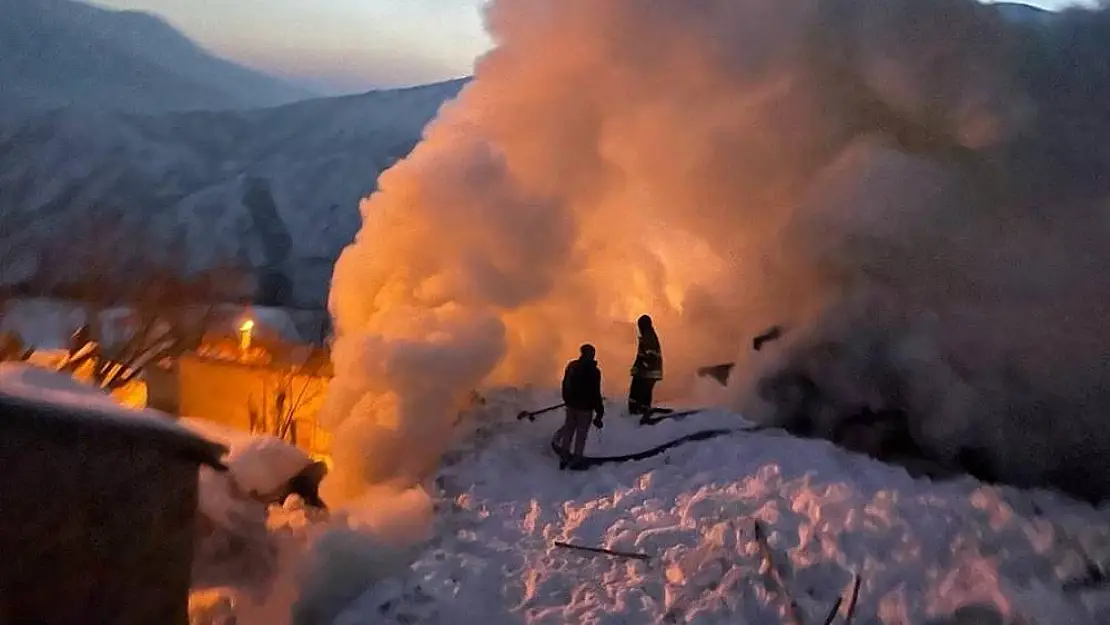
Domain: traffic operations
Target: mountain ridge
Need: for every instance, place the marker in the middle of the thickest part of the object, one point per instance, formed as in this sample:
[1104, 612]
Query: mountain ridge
[274, 189]
[63, 53]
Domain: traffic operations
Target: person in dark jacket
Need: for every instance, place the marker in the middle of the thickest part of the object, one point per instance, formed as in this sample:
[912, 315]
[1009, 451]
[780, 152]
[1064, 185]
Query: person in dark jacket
[582, 396]
[647, 370]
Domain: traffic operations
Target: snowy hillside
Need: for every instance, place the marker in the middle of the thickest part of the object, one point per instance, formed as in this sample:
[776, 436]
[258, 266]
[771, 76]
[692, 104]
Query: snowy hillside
[1024, 13]
[277, 188]
[924, 551]
[506, 543]
[56, 53]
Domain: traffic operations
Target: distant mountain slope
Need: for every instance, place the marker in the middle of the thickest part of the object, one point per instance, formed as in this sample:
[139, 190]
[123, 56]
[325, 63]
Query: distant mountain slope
[276, 188]
[58, 53]
[1023, 13]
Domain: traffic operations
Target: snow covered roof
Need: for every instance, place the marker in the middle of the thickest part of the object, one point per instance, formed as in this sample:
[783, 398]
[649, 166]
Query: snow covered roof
[48, 323]
[42, 322]
[51, 398]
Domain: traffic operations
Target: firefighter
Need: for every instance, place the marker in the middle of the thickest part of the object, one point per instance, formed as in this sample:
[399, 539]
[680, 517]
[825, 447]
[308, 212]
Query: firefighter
[647, 370]
[582, 396]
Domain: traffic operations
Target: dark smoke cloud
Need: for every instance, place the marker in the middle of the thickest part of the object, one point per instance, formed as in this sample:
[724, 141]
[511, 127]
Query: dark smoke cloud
[979, 308]
[917, 188]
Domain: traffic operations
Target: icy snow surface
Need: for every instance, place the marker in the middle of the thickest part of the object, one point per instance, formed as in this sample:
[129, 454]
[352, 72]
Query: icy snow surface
[923, 549]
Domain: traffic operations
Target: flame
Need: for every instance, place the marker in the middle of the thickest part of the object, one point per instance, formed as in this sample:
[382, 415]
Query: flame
[246, 335]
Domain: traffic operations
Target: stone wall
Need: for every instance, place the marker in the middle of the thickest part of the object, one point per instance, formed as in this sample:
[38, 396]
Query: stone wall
[97, 518]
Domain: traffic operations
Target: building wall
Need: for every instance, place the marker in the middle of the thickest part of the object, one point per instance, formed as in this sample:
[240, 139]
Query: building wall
[98, 522]
[162, 388]
[222, 391]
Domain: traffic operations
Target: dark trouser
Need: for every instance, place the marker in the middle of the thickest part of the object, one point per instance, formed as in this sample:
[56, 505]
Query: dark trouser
[574, 430]
[639, 395]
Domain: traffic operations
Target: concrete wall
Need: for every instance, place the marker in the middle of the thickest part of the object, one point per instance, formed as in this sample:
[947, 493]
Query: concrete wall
[222, 391]
[97, 519]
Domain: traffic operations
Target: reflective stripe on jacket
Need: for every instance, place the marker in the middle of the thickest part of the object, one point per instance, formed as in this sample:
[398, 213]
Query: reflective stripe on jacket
[649, 358]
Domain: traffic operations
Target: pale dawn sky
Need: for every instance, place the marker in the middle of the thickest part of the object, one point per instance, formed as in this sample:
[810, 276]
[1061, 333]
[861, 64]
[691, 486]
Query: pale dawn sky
[341, 46]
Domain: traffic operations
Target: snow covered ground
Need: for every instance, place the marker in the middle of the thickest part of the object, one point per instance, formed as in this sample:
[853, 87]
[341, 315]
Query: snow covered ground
[923, 549]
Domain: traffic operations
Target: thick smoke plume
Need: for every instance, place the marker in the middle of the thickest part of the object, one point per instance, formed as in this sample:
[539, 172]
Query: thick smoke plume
[917, 188]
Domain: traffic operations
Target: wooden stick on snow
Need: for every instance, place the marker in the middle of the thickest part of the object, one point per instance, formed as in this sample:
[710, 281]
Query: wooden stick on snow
[608, 552]
[852, 601]
[840, 601]
[775, 576]
[834, 610]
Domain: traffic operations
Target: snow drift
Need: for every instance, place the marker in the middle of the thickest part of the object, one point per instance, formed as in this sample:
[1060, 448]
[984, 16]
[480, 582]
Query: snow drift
[935, 553]
[915, 187]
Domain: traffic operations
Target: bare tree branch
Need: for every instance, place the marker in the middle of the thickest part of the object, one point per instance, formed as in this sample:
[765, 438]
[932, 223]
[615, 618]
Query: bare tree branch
[277, 410]
[164, 306]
